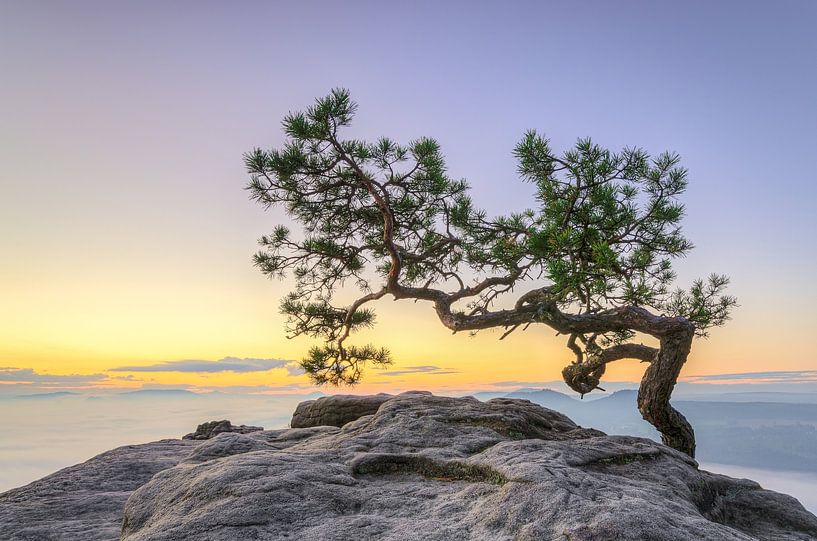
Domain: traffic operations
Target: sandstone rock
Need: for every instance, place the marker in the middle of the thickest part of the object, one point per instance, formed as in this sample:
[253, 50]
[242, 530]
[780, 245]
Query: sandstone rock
[207, 430]
[336, 410]
[85, 501]
[425, 467]
[420, 468]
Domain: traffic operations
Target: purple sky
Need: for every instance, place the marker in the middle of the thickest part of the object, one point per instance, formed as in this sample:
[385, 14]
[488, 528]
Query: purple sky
[123, 126]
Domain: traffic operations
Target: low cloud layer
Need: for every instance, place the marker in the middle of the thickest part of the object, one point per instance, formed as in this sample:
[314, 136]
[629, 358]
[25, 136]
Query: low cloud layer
[226, 389]
[422, 369]
[791, 376]
[227, 364]
[294, 369]
[28, 375]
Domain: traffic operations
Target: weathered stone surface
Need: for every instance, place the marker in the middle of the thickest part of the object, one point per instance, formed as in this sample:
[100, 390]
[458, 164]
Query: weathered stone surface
[85, 501]
[420, 468]
[336, 410]
[425, 467]
[207, 430]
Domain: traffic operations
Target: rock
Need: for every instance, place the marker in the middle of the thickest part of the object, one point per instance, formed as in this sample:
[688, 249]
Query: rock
[233, 443]
[336, 410]
[426, 467]
[207, 430]
[85, 501]
[420, 467]
[226, 444]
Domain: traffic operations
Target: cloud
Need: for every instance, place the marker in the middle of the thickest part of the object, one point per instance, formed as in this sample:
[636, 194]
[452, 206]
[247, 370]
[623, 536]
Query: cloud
[28, 375]
[555, 385]
[205, 390]
[227, 364]
[423, 369]
[790, 376]
[294, 369]
[261, 389]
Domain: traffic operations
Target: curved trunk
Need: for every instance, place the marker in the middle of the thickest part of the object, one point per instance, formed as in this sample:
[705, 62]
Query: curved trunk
[584, 375]
[656, 388]
[675, 335]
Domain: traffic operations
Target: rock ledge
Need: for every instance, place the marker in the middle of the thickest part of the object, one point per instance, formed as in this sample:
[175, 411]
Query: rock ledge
[417, 467]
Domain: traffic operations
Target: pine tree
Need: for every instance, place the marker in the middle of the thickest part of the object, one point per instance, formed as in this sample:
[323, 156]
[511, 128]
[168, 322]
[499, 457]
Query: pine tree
[593, 254]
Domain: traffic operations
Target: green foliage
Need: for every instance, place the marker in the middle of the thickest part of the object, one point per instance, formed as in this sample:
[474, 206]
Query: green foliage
[704, 304]
[608, 223]
[334, 365]
[602, 234]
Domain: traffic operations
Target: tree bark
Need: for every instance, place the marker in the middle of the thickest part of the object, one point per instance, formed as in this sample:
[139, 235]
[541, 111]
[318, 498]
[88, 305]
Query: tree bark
[656, 388]
[675, 335]
[657, 384]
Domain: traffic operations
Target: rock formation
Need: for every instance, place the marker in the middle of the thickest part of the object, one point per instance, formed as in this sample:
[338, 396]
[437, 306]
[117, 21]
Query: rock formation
[336, 410]
[85, 502]
[420, 467]
[207, 430]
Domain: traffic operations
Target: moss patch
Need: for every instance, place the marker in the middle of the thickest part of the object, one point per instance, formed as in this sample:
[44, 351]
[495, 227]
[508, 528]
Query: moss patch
[620, 460]
[500, 427]
[433, 470]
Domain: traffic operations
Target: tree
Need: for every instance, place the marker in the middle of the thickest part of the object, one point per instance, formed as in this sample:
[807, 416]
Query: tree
[593, 256]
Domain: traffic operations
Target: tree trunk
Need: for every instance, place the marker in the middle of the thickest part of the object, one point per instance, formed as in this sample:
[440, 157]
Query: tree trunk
[656, 388]
[675, 335]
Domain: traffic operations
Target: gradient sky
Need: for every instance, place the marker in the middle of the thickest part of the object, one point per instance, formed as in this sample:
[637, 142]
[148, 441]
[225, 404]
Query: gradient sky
[126, 236]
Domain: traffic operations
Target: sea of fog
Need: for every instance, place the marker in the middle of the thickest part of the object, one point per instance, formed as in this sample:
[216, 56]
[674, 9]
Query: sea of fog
[801, 485]
[40, 435]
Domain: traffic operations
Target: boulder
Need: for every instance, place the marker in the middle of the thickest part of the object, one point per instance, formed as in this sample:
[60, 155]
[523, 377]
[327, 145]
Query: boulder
[207, 430]
[336, 410]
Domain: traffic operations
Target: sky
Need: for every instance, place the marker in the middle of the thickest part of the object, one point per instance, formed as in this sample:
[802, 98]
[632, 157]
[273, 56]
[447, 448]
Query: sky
[126, 235]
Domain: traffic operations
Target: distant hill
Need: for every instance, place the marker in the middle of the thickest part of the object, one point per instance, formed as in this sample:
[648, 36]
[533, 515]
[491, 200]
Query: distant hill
[45, 396]
[625, 396]
[545, 397]
[771, 435]
[776, 397]
[487, 395]
[165, 393]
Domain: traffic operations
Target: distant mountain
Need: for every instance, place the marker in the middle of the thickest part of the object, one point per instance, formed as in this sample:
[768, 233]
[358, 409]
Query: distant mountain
[624, 396]
[163, 393]
[770, 435]
[45, 396]
[487, 395]
[749, 413]
[777, 397]
[537, 396]
[307, 396]
[545, 397]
